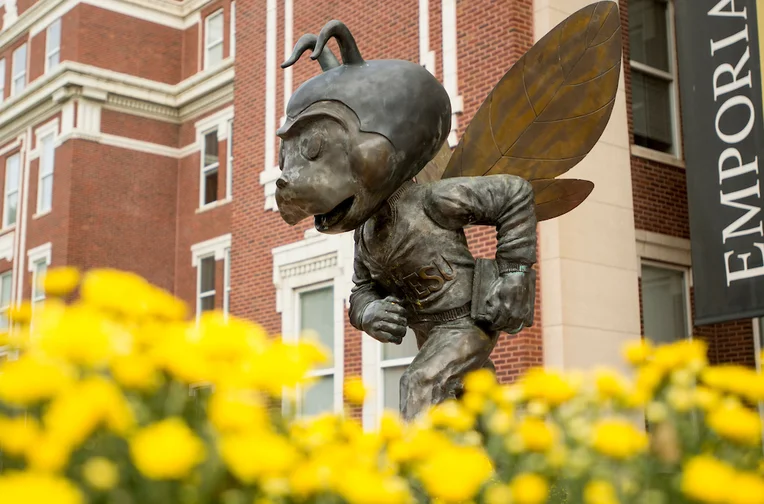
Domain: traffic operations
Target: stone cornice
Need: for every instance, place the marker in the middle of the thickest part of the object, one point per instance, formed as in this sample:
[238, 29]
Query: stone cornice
[134, 95]
[179, 15]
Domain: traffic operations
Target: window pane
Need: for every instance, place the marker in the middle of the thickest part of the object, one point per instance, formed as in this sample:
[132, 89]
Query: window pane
[317, 315]
[207, 273]
[10, 210]
[48, 154]
[5, 290]
[53, 41]
[12, 174]
[208, 303]
[319, 397]
[40, 269]
[46, 194]
[211, 148]
[391, 382]
[406, 349]
[664, 304]
[648, 34]
[214, 54]
[215, 28]
[210, 186]
[651, 105]
[2, 81]
[20, 68]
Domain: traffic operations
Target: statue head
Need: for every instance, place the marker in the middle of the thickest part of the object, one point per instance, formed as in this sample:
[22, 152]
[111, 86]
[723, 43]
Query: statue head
[355, 133]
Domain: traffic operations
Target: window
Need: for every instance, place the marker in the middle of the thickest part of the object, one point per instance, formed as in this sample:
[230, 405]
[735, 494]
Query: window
[210, 164]
[45, 184]
[394, 361]
[11, 190]
[19, 77]
[206, 285]
[2, 80]
[5, 299]
[653, 75]
[233, 29]
[316, 320]
[665, 303]
[40, 268]
[229, 165]
[227, 281]
[213, 53]
[53, 45]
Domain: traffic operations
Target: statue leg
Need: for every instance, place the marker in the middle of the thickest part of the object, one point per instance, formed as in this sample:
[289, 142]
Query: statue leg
[450, 350]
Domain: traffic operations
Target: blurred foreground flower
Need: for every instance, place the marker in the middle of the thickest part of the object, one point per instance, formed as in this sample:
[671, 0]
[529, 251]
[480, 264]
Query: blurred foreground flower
[117, 396]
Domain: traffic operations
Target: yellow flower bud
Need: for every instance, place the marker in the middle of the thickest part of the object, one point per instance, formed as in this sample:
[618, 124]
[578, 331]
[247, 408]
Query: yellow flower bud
[355, 391]
[100, 473]
[529, 488]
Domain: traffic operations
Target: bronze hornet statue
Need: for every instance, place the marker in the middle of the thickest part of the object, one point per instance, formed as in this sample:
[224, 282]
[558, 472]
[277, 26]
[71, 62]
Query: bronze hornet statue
[363, 150]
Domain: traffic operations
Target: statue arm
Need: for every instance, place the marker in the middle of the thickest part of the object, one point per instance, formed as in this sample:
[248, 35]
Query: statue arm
[504, 201]
[365, 290]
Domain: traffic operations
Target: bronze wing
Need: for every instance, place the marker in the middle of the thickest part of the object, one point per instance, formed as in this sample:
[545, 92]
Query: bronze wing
[546, 113]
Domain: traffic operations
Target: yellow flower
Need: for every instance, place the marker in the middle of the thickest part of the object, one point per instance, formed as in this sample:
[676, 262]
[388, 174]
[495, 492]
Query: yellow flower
[680, 398]
[78, 334]
[497, 493]
[31, 379]
[705, 397]
[38, 488]
[737, 380]
[547, 385]
[166, 450]
[481, 381]
[706, 479]
[128, 294]
[135, 371]
[600, 492]
[231, 411]
[48, 454]
[21, 314]
[455, 473]
[364, 486]
[529, 488]
[390, 427]
[536, 435]
[499, 423]
[18, 434]
[100, 473]
[355, 392]
[61, 281]
[75, 414]
[453, 415]
[746, 488]
[473, 402]
[690, 354]
[618, 438]
[636, 353]
[610, 384]
[737, 423]
[258, 455]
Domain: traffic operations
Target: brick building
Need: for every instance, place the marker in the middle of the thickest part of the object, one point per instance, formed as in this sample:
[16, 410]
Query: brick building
[116, 138]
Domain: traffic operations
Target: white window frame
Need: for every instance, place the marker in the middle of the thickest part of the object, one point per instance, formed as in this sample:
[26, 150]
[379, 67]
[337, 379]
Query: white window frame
[686, 280]
[317, 260]
[36, 256]
[199, 294]
[7, 191]
[16, 73]
[54, 52]
[229, 163]
[232, 46]
[2, 80]
[5, 304]
[207, 44]
[227, 281]
[383, 364]
[207, 169]
[328, 371]
[216, 247]
[671, 78]
[42, 206]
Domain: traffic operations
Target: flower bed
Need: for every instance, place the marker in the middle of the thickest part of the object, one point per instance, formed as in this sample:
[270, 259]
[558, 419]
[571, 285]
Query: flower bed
[116, 397]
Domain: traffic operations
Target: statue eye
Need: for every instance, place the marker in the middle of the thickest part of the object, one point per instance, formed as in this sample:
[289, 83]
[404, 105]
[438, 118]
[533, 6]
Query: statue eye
[311, 148]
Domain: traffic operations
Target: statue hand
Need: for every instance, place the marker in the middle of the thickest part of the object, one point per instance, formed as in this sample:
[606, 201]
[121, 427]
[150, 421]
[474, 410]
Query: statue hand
[385, 320]
[509, 303]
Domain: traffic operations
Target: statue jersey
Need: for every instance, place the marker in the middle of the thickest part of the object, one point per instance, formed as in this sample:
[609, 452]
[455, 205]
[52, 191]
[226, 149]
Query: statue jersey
[414, 247]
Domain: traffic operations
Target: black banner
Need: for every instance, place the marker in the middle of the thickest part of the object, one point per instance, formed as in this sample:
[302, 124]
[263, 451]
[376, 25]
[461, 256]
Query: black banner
[720, 82]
